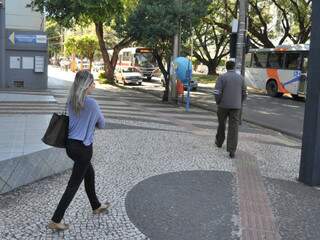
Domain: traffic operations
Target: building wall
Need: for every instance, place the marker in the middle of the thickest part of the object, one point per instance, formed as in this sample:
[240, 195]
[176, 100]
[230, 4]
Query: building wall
[18, 16]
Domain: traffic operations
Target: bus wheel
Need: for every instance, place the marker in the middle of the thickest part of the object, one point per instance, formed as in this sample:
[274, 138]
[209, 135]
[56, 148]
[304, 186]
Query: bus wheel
[272, 89]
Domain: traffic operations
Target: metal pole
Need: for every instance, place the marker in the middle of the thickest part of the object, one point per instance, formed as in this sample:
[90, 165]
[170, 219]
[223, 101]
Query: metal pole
[2, 44]
[188, 73]
[173, 88]
[310, 153]
[243, 10]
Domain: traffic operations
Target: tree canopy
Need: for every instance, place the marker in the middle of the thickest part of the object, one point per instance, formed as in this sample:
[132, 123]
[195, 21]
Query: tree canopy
[211, 42]
[155, 22]
[274, 22]
[109, 13]
[87, 46]
[53, 30]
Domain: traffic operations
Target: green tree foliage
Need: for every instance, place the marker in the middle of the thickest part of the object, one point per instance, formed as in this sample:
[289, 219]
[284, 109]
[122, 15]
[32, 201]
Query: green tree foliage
[211, 42]
[86, 47]
[70, 46]
[53, 30]
[294, 19]
[273, 22]
[155, 22]
[102, 13]
[81, 46]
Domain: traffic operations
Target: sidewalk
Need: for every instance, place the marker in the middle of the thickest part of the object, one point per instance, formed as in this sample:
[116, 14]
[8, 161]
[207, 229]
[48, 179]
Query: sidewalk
[166, 180]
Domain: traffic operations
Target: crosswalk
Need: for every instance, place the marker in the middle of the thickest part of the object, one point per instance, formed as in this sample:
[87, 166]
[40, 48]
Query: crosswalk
[28, 102]
[20, 106]
[116, 106]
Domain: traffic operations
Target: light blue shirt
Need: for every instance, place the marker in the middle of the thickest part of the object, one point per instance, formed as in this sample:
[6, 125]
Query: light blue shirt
[82, 126]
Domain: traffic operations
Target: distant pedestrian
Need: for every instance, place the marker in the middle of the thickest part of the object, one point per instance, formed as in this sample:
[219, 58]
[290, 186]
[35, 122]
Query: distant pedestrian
[180, 92]
[230, 91]
[84, 116]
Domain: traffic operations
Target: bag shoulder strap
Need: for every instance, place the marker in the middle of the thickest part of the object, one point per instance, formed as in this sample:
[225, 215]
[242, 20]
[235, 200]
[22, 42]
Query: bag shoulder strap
[65, 112]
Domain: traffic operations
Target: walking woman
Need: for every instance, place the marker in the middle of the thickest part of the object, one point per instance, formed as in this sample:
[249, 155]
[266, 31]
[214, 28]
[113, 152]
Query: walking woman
[84, 117]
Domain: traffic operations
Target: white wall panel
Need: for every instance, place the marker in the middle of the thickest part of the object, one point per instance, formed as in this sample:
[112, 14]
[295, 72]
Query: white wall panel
[18, 16]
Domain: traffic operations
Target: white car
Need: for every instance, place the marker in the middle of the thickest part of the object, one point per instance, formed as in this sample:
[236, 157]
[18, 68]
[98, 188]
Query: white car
[127, 75]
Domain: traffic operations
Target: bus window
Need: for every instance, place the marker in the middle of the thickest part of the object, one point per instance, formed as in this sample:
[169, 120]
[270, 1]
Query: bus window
[145, 59]
[248, 60]
[260, 60]
[275, 60]
[126, 56]
[292, 61]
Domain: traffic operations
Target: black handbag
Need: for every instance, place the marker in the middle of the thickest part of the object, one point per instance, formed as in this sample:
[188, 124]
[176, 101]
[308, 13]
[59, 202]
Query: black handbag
[57, 131]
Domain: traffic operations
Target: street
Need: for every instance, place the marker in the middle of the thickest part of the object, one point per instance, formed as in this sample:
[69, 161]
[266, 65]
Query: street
[281, 114]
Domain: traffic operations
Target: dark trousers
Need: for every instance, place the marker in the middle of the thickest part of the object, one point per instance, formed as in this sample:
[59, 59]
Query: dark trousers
[82, 169]
[233, 125]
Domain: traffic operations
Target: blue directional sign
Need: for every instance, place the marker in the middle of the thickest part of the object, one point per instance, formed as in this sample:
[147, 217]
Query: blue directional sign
[27, 38]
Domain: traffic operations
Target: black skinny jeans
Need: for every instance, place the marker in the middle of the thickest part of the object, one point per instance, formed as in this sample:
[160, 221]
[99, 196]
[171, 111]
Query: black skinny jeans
[82, 169]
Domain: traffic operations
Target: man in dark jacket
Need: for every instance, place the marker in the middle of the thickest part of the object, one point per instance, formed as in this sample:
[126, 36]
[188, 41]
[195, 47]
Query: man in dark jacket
[230, 91]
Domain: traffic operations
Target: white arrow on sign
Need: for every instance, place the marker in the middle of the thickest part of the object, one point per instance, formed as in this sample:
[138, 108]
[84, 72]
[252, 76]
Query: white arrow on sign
[11, 38]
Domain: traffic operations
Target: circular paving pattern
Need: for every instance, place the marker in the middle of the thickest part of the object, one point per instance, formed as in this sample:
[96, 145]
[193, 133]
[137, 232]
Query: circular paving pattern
[184, 205]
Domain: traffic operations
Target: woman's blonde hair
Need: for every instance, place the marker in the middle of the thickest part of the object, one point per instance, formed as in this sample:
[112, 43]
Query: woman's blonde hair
[77, 93]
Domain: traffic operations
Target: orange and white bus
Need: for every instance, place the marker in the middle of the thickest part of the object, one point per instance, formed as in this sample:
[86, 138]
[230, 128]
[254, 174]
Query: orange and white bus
[278, 70]
[140, 58]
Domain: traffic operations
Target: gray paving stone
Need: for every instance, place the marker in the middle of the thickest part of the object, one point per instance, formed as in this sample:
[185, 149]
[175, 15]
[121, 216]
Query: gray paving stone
[296, 208]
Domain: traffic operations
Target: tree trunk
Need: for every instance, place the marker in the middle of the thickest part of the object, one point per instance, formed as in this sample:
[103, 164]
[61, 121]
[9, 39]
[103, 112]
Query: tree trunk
[212, 68]
[81, 64]
[165, 97]
[110, 64]
[90, 64]
[166, 74]
[109, 71]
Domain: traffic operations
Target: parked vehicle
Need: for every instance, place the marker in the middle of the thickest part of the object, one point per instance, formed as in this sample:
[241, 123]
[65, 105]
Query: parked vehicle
[279, 70]
[127, 75]
[193, 85]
